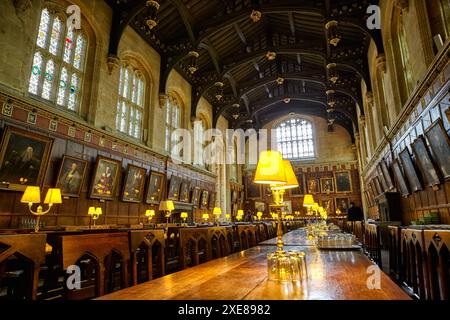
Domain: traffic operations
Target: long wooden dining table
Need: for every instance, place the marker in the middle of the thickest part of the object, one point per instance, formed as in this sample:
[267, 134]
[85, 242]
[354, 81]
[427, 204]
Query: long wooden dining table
[332, 275]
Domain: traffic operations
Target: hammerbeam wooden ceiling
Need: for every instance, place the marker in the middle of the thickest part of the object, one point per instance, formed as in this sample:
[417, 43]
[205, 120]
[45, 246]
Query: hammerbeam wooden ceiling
[232, 49]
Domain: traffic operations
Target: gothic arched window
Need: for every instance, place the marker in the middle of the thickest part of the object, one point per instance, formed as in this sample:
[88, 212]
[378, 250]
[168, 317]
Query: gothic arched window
[295, 139]
[130, 106]
[58, 63]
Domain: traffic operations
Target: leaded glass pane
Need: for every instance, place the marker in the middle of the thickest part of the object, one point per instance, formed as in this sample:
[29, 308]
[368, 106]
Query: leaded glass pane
[35, 73]
[295, 139]
[48, 80]
[55, 37]
[78, 55]
[44, 26]
[62, 89]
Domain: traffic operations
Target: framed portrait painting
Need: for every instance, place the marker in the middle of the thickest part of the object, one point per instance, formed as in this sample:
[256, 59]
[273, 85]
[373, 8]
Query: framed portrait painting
[410, 171]
[155, 187]
[313, 186]
[185, 191]
[425, 163]
[343, 182]
[343, 204]
[196, 192]
[105, 178]
[133, 185]
[212, 200]
[380, 175]
[301, 189]
[440, 146]
[327, 204]
[376, 183]
[387, 175]
[399, 177]
[71, 176]
[23, 158]
[326, 185]
[253, 190]
[204, 200]
[174, 188]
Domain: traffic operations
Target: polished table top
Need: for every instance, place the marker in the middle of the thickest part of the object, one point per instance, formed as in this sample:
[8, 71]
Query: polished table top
[294, 238]
[333, 275]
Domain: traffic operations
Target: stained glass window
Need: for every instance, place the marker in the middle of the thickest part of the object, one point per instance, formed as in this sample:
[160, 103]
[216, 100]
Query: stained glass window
[57, 71]
[130, 107]
[295, 139]
[173, 122]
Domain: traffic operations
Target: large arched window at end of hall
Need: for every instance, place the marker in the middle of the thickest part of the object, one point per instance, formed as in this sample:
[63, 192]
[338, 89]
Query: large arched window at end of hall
[404, 57]
[295, 139]
[58, 63]
[173, 122]
[130, 105]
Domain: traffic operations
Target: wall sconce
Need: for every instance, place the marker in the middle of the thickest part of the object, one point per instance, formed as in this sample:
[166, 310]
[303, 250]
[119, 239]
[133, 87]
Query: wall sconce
[32, 195]
[167, 207]
[193, 67]
[184, 216]
[95, 213]
[333, 36]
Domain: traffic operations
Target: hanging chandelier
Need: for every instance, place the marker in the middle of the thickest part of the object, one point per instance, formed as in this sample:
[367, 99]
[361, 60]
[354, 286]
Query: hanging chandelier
[193, 67]
[333, 74]
[333, 37]
[331, 101]
[255, 16]
[153, 8]
[219, 90]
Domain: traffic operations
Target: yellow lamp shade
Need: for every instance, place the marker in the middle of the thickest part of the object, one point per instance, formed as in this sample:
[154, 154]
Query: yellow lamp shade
[53, 196]
[291, 178]
[238, 218]
[91, 211]
[184, 215]
[31, 195]
[240, 212]
[270, 169]
[308, 201]
[315, 206]
[98, 211]
[205, 216]
[228, 216]
[149, 213]
[259, 214]
[217, 211]
[166, 205]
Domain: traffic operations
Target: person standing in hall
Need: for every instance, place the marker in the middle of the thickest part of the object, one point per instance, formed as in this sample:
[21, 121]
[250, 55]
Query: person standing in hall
[355, 213]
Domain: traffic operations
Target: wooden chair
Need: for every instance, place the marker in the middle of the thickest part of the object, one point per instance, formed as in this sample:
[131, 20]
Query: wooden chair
[415, 271]
[172, 250]
[437, 247]
[103, 259]
[194, 247]
[147, 254]
[394, 244]
[247, 236]
[21, 257]
[229, 231]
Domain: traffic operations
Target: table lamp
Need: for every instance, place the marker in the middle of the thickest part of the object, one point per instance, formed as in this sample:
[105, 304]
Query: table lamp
[217, 212]
[167, 206]
[338, 212]
[259, 215]
[315, 208]
[308, 202]
[32, 195]
[150, 214]
[95, 213]
[228, 217]
[239, 217]
[184, 216]
[205, 217]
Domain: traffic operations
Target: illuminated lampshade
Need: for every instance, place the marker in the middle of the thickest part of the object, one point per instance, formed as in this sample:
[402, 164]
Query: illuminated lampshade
[184, 215]
[240, 212]
[53, 196]
[315, 206]
[149, 213]
[238, 218]
[166, 205]
[31, 195]
[98, 211]
[270, 169]
[259, 214]
[291, 178]
[217, 211]
[308, 201]
[228, 216]
[91, 211]
[205, 216]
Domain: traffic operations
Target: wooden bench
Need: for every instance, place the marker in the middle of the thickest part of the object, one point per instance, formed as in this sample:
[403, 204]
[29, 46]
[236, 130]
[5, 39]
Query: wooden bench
[217, 240]
[147, 254]
[193, 246]
[21, 257]
[372, 243]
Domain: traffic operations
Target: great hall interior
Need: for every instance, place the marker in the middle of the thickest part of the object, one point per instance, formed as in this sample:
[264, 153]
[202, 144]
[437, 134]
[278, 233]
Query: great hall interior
[224, 150]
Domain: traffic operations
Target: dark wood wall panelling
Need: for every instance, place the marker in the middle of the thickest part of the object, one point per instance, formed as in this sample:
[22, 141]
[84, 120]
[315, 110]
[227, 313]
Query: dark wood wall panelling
[74, 211]
[433, 105]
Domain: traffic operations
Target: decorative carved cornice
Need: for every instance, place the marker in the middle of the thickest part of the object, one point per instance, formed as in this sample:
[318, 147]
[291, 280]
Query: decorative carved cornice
[369, 98]
[113, 62]
[381, 62]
